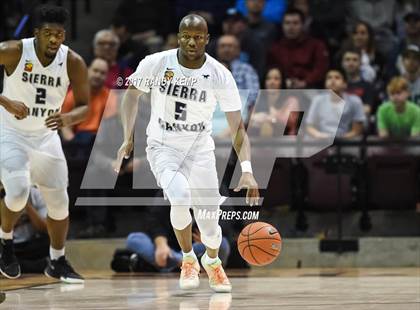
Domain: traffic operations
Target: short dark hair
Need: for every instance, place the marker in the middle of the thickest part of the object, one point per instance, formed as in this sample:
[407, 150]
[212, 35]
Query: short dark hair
[352, 50]
[339, 70]
[50, 14]
[293, 11]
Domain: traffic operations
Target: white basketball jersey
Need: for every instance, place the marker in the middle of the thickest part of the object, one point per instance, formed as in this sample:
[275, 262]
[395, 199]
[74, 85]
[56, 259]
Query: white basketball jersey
[41, 89]
[183, 100]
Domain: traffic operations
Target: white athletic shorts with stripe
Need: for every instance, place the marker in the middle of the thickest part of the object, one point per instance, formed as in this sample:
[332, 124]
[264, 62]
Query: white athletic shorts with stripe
[39, 158]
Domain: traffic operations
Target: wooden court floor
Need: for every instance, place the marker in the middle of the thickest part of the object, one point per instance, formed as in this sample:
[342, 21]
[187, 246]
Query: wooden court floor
[337, 289]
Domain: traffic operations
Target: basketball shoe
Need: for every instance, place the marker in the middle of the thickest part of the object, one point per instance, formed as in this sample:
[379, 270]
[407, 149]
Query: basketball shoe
[62, 270]
[190, 271]
[9, 265]
[218, 279]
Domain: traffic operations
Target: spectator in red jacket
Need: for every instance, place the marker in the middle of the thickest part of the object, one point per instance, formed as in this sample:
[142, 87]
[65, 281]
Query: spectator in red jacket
[303, 59]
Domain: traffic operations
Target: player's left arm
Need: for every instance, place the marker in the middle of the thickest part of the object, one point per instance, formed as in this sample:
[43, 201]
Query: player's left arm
[242, 148]
[78, 76]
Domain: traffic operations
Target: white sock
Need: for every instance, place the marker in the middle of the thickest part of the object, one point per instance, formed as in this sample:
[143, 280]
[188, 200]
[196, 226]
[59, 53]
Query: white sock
[56, 254]
[189, 254]
[5, 235]
[210, 260]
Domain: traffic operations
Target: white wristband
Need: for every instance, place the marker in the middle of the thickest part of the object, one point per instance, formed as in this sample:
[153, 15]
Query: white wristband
[246, 166]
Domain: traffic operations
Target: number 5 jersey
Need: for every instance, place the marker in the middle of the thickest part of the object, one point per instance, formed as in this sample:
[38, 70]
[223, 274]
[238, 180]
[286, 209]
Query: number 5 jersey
[41, 89]
[183, 100]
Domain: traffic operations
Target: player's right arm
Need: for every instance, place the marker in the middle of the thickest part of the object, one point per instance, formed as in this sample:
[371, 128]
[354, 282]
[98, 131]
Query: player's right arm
[129, 110]
[129, 105]
[10, 53]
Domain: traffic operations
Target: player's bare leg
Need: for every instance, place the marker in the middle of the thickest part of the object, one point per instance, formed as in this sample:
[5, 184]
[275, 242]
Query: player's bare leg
[57, 230]
[190, 268]
[184, 238]
[212, 253]
[8, 217]
[212, 264]
[58, 225]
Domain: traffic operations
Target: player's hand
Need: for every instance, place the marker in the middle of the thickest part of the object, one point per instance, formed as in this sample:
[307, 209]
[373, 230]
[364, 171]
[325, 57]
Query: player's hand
[58, 120]
[252, 194]
[124, 152]
[17, 108]
[161, 255]
[132, 165]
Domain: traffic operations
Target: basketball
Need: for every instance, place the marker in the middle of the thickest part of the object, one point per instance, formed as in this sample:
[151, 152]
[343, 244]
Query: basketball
[259, 243]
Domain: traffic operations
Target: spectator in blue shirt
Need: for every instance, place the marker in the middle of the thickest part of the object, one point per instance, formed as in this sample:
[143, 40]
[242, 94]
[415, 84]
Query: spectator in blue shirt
[273, 9]
[246, 78]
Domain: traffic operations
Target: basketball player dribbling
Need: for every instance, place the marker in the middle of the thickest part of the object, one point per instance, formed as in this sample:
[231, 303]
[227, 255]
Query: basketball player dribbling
[180, 149]
[38, 72]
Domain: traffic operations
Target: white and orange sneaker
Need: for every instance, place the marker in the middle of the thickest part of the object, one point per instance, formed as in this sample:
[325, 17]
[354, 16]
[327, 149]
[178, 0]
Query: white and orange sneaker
[218, 279]
[190, 271]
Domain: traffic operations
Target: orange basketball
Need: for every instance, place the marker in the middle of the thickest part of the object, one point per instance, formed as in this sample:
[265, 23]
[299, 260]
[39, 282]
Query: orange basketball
[259, 243]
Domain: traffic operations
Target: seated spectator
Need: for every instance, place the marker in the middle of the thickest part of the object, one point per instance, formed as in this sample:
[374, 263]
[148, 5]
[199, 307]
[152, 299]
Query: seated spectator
[411, 64]
[362, 37]
[105, 45]
[324, 21]
[411, 37]
[259, 27]
[30, 235]
[351, 62]
[102, 104]
[381, 16]
[273, 9]
[252, 50]
[148, 20]
[329, 115]
[246, 78]
[398, 117]
[412, 29]
[213, 11]
[157, 247]
[130, 52]
[275, 113]
[228, 51]
[303, 59]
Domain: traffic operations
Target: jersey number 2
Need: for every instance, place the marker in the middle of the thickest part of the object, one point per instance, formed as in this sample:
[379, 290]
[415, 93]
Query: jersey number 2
[41, 96]
[180, 111]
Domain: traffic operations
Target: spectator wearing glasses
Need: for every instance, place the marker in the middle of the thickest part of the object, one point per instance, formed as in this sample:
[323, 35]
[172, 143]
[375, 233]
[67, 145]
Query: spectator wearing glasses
[105, 45]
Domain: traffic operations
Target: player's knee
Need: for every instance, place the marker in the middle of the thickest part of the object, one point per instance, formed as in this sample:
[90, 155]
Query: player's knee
[176, 188]
[180, 217]
[57, 202]
[16, 200]
[181, 198]
[17, 193]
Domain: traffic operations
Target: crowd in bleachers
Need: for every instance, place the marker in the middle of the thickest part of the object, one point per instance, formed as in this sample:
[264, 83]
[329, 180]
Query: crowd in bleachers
[365, 45]
[366, 51]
